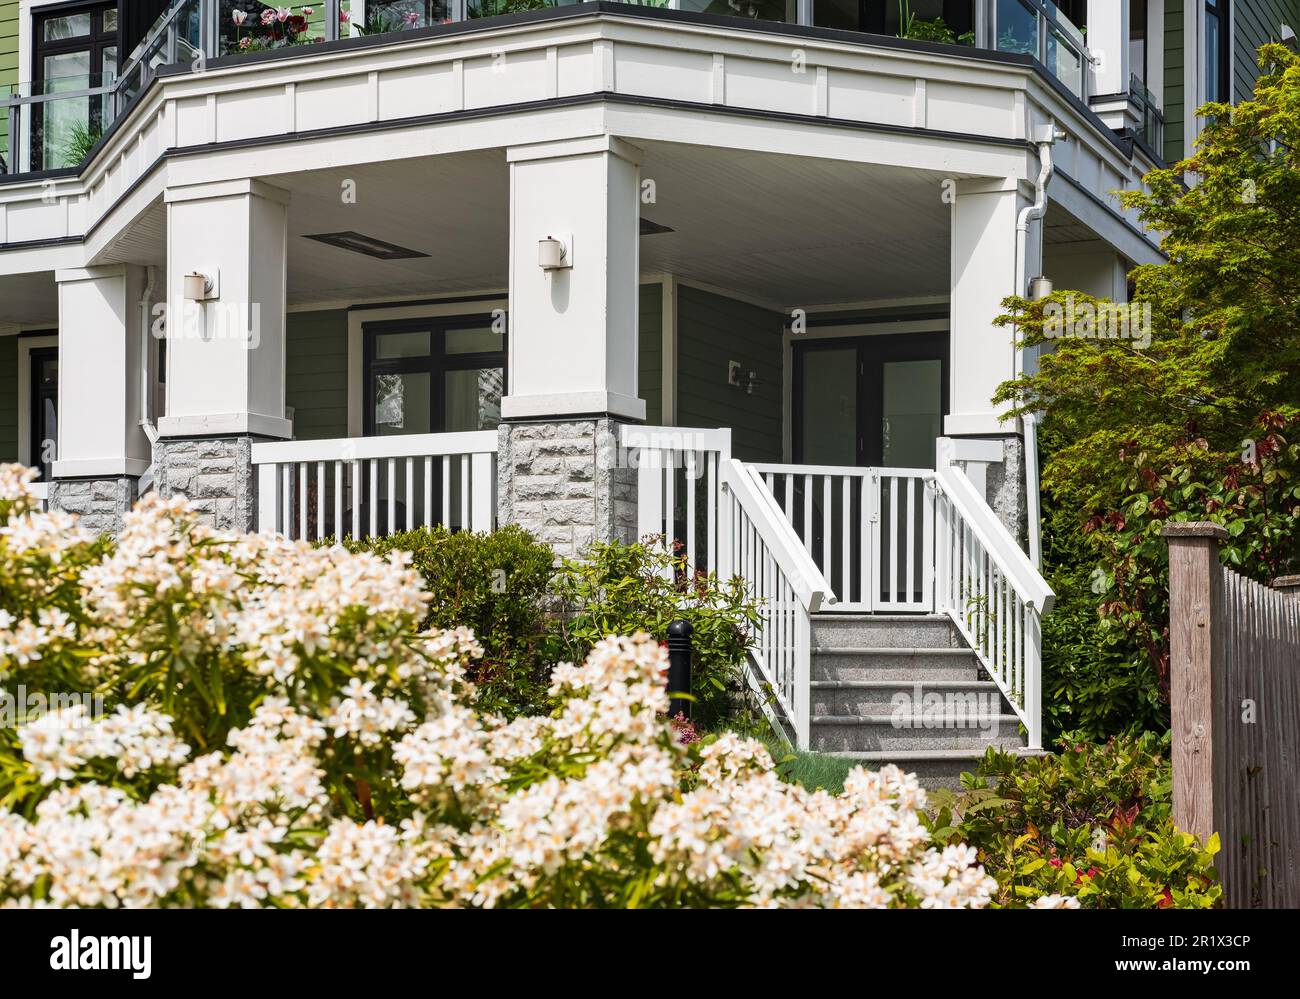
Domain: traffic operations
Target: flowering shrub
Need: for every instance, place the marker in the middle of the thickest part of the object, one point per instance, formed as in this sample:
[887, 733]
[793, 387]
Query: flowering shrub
[281, 734]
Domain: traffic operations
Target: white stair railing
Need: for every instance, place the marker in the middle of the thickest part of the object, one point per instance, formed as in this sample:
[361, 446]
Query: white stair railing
[374, 486]
[986, 584]
[759, 545]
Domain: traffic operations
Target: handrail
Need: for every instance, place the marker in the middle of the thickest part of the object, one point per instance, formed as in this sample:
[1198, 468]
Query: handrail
[1028, 583]
[806, 579]
[360, 448]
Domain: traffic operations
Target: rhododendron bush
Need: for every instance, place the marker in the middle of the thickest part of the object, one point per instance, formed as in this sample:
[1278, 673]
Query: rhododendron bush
[277, 733]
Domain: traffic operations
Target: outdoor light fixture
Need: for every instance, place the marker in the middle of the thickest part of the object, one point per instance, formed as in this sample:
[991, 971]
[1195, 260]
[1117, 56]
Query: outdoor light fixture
[1039, 288]
[555, 251]
[200, 287]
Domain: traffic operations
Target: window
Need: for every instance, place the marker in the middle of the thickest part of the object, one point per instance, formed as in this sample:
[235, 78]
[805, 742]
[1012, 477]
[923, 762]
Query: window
[74, 50]
[43, 413]
[1218, 35]
[433, 375]
[1137, 39]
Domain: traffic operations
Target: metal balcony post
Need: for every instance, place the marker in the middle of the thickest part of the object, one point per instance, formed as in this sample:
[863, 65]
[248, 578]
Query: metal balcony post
[210, 28]
[332, 8]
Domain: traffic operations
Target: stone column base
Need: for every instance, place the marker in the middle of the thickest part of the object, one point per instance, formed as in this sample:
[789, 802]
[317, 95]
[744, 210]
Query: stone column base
[99, 503]
[564, 482]
[216, 473]
[1006, 489]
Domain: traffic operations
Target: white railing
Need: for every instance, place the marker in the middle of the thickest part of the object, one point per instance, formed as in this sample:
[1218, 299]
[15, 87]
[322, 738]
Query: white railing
[870, 530]
[761, 547]
[988, 587]
[678, 481]
[373, 486]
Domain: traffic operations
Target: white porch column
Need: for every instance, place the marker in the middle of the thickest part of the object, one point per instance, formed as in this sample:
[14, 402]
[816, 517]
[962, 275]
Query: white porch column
[226, 352]
[101, 451]
[572, 343]
[983, 356]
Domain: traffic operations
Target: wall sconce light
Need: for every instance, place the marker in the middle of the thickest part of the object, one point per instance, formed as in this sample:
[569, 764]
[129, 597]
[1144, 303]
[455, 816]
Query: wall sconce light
[555, 251]
[1039, 288]
[199, 287]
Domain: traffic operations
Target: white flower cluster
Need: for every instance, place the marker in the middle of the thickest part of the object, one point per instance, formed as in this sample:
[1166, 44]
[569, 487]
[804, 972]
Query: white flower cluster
[134, 740]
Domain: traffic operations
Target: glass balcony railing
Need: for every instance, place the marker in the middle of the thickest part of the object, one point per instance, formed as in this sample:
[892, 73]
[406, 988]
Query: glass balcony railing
[1151, 123]
[1039, 29]
[57, 127]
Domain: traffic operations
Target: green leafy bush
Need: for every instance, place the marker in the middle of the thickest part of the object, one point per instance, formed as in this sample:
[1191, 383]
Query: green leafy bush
[495, 584]
[621, 589]
[529, 613]
[1093, 822]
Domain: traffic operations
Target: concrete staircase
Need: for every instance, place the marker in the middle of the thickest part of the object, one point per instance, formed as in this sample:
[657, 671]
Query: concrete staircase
[904, 689]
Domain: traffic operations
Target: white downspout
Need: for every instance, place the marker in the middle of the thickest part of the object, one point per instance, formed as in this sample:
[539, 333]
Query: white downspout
[1033, 213]
[146, 372]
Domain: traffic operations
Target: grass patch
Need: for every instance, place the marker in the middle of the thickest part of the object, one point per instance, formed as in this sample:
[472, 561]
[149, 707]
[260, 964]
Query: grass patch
[813, 770]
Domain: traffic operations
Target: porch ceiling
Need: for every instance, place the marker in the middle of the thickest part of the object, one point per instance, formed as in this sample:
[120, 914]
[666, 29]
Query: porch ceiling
[787, 231]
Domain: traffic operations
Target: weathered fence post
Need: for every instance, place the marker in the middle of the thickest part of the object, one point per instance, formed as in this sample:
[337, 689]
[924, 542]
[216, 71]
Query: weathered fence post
[1288, 586]
[1196, 690]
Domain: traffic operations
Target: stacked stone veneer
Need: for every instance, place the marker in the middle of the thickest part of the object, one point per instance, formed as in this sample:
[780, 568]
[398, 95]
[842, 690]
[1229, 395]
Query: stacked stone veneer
[100, 503]
[566, 482]
[1005, 485]
[216, 473]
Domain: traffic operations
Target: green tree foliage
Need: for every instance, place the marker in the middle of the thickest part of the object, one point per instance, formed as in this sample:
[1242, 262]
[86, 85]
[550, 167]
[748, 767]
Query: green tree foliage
[1199, 423]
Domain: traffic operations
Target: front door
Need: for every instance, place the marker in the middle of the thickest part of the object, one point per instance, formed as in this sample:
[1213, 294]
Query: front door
[879, 402]
[870, 400]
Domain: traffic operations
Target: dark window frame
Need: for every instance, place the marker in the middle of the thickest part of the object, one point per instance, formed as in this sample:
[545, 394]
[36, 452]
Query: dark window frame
[37, 394]
[93, 43]
[437, 362]
[1221, 12]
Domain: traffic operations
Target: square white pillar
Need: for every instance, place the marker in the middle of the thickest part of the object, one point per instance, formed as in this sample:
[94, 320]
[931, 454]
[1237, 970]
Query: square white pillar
[573, 329]
[984, 215]
[226, 352]
[100, 324]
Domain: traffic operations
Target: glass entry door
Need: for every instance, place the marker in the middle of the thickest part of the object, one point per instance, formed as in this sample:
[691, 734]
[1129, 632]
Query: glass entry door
[872, 400]
[875, 401]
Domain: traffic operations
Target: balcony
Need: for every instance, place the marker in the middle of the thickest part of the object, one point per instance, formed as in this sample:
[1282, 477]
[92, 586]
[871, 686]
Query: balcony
[56, 127]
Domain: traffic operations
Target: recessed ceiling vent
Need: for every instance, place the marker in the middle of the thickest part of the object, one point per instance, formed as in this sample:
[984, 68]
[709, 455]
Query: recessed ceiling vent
[367, 245]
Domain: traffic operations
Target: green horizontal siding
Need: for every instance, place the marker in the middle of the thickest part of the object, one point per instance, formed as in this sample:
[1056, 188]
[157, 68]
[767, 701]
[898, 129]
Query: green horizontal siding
[316, 373]
[8, 398]
[712, 331]
[1254, 23]
[650, 357]
[1175, 89]
[8, 64]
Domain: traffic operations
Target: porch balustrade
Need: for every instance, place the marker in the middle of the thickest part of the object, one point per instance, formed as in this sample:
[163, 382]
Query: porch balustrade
[374, 486]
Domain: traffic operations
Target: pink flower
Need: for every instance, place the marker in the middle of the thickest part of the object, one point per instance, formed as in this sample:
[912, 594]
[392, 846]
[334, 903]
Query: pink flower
[344, 17]
[268, 16]
[245, 42]
[239, 17]
[282, 14]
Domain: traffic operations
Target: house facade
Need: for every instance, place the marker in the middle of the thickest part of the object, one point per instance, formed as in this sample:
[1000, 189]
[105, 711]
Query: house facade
[728, 269]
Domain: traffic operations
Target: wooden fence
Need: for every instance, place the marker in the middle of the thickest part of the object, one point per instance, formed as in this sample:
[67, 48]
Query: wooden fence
[1235, 702]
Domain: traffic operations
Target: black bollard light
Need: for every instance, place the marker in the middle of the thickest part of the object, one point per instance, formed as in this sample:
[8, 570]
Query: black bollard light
[679, 667]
